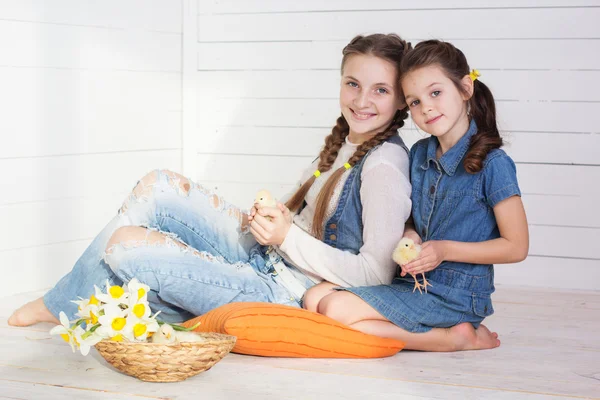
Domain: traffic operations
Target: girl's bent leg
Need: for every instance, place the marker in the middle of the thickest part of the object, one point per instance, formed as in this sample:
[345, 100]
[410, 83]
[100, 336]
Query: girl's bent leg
[193, 214]
[315, 294]
[351, 310]
[185, 279]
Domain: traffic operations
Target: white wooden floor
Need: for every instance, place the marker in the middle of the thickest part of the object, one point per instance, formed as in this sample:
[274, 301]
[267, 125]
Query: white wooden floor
[550, 349]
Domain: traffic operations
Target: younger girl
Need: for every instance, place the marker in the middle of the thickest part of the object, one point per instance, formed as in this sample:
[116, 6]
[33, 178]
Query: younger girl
[194, 252]
[466, 210]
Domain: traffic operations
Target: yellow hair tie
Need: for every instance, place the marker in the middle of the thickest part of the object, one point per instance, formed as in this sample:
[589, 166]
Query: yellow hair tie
[474, 74]
[347, 166]
[317, 173]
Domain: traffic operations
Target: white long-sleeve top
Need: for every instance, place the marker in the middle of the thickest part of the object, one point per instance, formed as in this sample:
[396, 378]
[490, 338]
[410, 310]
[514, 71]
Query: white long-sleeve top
[385, 197]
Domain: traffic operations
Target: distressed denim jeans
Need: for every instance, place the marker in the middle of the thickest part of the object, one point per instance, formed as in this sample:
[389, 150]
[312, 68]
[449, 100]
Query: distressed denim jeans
[205, 260]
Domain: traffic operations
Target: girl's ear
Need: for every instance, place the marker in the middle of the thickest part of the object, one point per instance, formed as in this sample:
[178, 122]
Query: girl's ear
[467, 85]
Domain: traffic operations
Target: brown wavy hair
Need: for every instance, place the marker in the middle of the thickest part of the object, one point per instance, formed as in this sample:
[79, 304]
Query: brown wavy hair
[388, 47]
[483, 109]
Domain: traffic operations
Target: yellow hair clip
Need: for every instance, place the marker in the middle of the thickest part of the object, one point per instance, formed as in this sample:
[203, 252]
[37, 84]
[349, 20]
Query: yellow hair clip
[347, 166]
[474, 74]
[317, 173]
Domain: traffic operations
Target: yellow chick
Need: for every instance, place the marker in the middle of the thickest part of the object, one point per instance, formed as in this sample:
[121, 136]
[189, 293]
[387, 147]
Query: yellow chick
[264, 199]
[166, 334]
[405, 252]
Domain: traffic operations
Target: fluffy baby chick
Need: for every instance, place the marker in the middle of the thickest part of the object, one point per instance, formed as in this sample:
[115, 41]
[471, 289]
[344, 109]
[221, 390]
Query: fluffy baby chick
[166, 334]
[264, 199]
[405, 252]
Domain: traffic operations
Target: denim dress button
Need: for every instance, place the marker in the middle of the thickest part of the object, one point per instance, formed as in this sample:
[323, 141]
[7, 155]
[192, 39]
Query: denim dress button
[332, 237]
[432, 189]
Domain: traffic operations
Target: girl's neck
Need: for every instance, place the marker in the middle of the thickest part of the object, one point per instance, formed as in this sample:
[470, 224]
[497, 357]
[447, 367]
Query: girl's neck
[358, 139]
[448, 140]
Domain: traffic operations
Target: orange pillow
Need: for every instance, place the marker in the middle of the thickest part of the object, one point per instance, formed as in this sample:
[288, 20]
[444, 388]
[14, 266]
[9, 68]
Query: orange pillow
[265, 329]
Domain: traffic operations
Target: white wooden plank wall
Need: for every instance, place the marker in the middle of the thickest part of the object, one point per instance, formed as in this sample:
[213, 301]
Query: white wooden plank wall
[91, 101]
[267, 75]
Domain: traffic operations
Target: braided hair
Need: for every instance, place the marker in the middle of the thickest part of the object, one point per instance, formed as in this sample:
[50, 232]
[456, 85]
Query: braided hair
[387, 47]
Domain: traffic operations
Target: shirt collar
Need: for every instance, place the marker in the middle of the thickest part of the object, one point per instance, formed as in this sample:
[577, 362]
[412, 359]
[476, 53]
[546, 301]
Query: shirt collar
[450, 160]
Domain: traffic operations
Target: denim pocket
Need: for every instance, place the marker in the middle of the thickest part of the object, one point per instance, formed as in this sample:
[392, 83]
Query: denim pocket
[482, 305]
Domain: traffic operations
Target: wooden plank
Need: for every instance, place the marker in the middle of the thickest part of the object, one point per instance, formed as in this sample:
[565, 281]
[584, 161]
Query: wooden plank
[242, 194]
[76, 176]
[87, 47]
[534, 179]
[83, 111]
[558, 148]
[558, 180]
[229, 168]
[57, 221]
[41, 266]
[505, 84]
[537, 116]
[351, 379]
[562, 210]
[150, 15]
[15, 389]
[448, 23]
[564, 241]
[525, 54]
[277, 6]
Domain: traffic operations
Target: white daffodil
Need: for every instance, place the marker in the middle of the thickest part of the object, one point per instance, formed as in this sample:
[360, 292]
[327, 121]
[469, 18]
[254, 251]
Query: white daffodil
[114, 294]
[141, 328]
[65, 331]
[85, 339]
[89, 309]
[137, 290]
[113, 324]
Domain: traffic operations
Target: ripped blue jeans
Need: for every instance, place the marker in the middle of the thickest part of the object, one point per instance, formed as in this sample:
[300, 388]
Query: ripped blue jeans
[205, 258]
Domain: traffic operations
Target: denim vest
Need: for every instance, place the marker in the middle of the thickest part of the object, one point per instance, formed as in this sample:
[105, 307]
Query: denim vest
[344, 229]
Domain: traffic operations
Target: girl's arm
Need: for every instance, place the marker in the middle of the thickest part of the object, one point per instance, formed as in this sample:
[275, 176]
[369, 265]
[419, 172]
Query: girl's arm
[385, 197]
[512, 245]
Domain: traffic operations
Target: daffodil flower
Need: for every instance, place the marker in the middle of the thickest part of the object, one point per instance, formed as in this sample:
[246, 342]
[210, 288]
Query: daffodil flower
[114, 294]
[113, 324]
[137, 290]
[85, 340]
[89, 309]
[65, 330]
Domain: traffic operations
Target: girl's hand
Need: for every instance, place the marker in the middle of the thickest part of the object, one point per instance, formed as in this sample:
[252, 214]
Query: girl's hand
[432, 254]
[252, 213]
[270, 225]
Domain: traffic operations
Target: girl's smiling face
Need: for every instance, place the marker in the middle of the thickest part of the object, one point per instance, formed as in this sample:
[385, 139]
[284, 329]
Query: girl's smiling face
[369, 96]
[436, 105]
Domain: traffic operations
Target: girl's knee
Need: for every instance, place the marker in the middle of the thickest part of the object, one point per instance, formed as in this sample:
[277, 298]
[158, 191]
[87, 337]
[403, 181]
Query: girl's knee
[125, 234]
[310, 300]
[335, 306]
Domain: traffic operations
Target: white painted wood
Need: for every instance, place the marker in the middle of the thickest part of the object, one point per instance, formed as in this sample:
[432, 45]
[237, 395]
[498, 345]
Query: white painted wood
[56, 221]
[278, 6]
[554, 272]
[309, 84]
[449, 24]
[564, 241]
[77, 176]
[74, 47]
[525, 54]
[534, 116]
[542, 356]
[190, 133]
[83, 111]
[149, 15]
[42, 266]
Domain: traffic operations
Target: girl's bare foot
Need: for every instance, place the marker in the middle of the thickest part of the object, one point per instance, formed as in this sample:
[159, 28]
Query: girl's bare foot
[468, 338]
[32, 313]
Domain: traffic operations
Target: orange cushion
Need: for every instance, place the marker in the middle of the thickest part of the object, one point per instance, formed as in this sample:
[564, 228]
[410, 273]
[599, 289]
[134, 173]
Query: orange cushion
[275, 330]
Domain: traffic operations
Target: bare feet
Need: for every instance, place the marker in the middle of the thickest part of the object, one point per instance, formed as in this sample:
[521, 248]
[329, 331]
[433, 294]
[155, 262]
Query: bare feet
[468, 338]
[32, 313]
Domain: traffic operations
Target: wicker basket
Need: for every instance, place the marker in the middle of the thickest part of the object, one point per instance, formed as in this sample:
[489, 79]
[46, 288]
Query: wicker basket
[155, 362]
